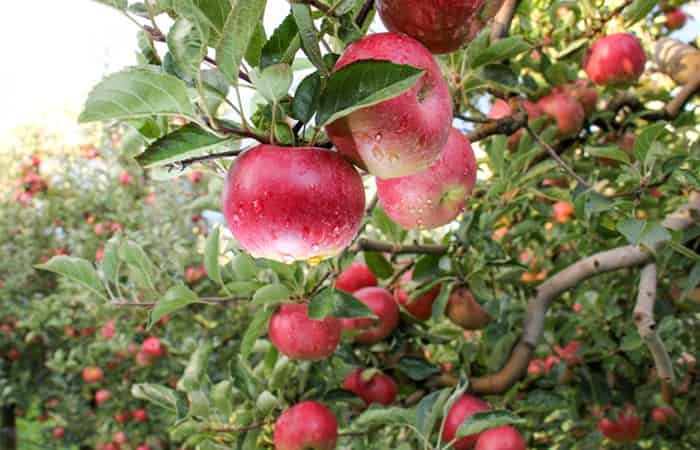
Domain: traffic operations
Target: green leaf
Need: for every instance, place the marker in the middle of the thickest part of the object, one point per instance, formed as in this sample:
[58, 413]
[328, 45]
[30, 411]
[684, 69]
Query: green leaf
[335, 303]
[194, 373]
[273, 82]
[221, 395]
[237, 34]
[643, 232]
[208, 14]
[377, 415]
[255, 329]
[309, 35]
[156, 394]
[379, 265]
[503, 49]
[648, 135]
[211, 256]
[638, 10]
[441, 300]
[415, 368]
[306, 97]
[282, 45]
[485, 420]
[244, 267]
[133, 255]
[683, 250]
[76, 269]
[137, 92]
[272, 293]
[117, 4]
[186, 142]
[110, 261]
[426, 267]
[609, 152]
[176, 298]
[187, 45]
[254, 52]
[429, 410]
[243, 287]
[693, 280]
[362, 84]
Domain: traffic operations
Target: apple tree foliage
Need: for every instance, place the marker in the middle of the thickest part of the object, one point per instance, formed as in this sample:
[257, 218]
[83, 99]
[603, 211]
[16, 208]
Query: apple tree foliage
[552, 365]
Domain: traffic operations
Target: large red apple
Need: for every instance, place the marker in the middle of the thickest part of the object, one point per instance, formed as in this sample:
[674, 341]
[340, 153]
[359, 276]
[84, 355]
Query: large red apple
[422, 307]
[382, 303]
[441, 25]
[92, 374]
[566, 110]
[626, 428]
[500, 438]
[379, 388]
[296, 335]
[306, 426]
[462, 409]
[675, 19]
[402, 135]
[292, 204]
[615, 60]
[355, 277]
[435, 196]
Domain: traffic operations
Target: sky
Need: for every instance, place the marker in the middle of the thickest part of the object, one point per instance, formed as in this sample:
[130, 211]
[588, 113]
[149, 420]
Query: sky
[51, 59]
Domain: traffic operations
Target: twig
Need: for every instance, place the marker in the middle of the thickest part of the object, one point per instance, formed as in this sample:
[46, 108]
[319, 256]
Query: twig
[646, 325]
[394, 279]
[263, 139]
[507, 125]
[180, 165]
[503, 19]
[556, 157]
[364, 12]
[473, 119]
[396, 249]
[203, 300]
[253, 426]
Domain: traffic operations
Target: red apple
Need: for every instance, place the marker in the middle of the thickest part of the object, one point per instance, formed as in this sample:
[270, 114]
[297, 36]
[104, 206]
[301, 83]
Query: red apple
[501, 109]
[615, 60]
[462, 409]
[195, 176]
[379, 388]
[296, 335]
[583, 92]
[58, 433]
[292, 204]
[152, 346]
[402, 135]
[562, 211]
[566, 110]
[663, 415]
[139, 415]
[500, 438]
[463, 310]
[122, 417]
[125, 178]
[102, 396]
[675, 19]
[143, 359]
[13, 354]
[306, 426]
[108, 329]
[569, 353]
[92, 374]
[120, 437]
[625, 429]
[355, 277]
[442, 26]
[435, 196]
[577, 307]
[143, 447]
[422, 307]
[383, 305]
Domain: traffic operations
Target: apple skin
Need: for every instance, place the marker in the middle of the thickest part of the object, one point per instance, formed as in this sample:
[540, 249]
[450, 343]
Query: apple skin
[102, 396]
[463, 310]
[291, 204]
[566, 110]
[306, 426]
[663, 415]
[435, 196]
[626, 428]
[380, 388]
[355, 277]
[500, 438]
[383, 305]
[583, 92]
[139, 415]
[402, 135]
[297, 336]
[152, 346]
[615, 60]
[422, 307]
[58, 433]
[92, 374]
[463, 408]
[501, 109]
[441, 25]
[675, 19]
[562, 211]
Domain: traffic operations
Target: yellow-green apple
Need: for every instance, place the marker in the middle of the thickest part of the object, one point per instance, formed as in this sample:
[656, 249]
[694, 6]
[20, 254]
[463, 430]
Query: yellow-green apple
[441, 25]
[355, 277]
[379, 388]
[292, 204]
[422, 307]
[435, 196]
[615, 60]
[308, 425]
[297, 336]
[402, 135]
[463, 408]
[383, 305]
[500, 438]
[566, 110]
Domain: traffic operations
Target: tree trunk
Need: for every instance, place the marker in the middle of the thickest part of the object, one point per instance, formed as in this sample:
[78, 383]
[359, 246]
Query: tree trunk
[8, 429]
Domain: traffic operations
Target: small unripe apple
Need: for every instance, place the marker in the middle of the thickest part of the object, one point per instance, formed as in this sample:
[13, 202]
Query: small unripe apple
[663, 415]
[58, 433]
[422, 307]
[435, 196]
[615, 60]
[292, 204]
[139, 415]
[463, 310]
[380, 388]
[442, 26]
[355, 277]
[405, 134]
[500, 438]
[296, 335]
[152, 346]
[566, 110]
[626, 428]
[92, 374]
[675, 19]
[102, 396]
[462, 409]
[383, 305]
[306, 426]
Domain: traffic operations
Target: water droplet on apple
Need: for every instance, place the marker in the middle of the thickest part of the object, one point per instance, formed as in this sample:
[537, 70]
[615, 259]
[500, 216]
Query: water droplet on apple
[378, 137]
[257, 206]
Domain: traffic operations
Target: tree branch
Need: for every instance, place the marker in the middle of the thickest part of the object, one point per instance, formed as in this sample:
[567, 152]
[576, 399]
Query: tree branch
[253, 426]
[364, 12]
[644, 319]
[507, 125]
[202, 300]
[397, 249]
[503, 19]
[606, 261]
[553, 153]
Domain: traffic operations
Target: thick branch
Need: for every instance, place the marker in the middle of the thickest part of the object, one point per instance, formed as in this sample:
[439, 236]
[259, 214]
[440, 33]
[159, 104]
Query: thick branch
[507, 125]
[397, 249]
[644, 319]
[503, 19]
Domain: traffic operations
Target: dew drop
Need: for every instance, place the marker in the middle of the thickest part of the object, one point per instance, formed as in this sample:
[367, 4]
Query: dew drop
[378, 137]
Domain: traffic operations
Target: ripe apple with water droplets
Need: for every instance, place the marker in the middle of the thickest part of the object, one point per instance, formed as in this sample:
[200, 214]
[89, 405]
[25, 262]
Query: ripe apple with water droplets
[383, 305]
[355, 277]
[404, 134]
[291, 204]
[308, 425]
[296, 335]
[615, 60]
